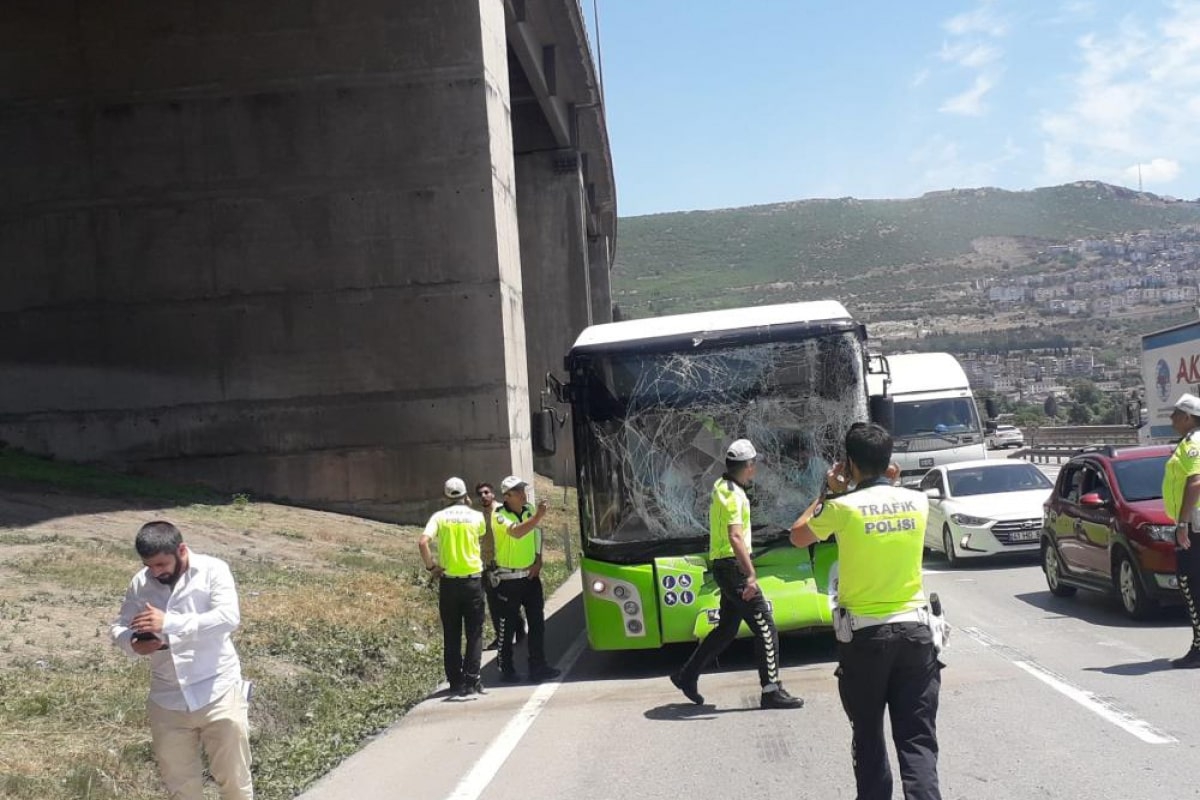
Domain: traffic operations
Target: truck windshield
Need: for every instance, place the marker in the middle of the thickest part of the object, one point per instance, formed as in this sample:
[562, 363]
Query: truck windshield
[651, 431]
[951, 416]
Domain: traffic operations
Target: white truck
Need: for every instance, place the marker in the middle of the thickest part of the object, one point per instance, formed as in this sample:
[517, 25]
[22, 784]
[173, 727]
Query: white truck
[1170, 367]
[936, 421]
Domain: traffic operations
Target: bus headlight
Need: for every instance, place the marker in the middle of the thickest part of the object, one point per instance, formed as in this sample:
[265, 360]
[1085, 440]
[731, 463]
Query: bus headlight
[598, 586]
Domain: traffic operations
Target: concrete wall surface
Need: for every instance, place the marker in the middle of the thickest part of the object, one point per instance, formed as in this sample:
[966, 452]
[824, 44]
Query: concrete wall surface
[273, 247]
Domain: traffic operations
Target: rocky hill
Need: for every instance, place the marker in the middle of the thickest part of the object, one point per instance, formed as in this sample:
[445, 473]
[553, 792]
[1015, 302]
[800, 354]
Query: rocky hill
[886, 259]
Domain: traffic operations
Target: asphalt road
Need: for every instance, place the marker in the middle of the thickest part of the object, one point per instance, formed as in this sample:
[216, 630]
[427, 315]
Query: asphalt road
[1042, 698]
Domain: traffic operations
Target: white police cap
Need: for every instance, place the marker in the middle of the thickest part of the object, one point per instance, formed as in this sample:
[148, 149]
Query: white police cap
[1189, 403]
[741, 450]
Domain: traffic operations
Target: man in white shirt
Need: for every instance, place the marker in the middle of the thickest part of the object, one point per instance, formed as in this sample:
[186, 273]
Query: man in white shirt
[180, 611]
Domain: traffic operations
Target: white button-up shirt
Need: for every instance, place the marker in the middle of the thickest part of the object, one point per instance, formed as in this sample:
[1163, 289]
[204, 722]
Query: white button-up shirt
[199, 614]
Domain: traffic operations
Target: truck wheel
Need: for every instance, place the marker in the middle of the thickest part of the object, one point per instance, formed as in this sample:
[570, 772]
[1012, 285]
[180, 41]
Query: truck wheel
[1136, 601]
[1053, 572]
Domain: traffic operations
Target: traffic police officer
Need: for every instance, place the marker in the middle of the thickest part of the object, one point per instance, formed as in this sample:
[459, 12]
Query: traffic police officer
[1181, 491]
[886, 651]
[519, 566]
[458, 529]
[741, 598]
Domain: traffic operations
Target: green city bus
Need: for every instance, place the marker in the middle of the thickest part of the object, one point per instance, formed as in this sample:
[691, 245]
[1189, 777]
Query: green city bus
[655, 403]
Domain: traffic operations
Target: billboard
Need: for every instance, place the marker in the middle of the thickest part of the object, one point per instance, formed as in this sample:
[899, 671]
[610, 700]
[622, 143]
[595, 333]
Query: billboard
[1170, 367]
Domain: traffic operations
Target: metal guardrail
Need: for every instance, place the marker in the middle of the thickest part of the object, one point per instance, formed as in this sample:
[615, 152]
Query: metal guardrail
[1062, 442]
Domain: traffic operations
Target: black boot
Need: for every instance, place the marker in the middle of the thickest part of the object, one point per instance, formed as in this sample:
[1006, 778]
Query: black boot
[780, 699]
[1190, 660]
[687, 685]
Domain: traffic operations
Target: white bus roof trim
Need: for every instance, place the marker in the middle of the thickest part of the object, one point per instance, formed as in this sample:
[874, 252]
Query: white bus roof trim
[704, 322]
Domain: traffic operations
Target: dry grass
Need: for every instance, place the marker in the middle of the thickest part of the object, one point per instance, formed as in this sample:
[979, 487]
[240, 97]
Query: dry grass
[339, 631]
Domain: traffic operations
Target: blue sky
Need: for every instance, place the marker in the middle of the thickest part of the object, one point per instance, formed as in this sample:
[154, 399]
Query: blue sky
[720, 104]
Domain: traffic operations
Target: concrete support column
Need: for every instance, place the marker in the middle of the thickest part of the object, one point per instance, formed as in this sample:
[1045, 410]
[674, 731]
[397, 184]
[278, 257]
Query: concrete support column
[269, 248]
[554, 258]
[599, 280]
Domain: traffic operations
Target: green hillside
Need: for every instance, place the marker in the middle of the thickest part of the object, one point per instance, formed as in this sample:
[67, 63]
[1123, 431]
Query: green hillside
[887, 258]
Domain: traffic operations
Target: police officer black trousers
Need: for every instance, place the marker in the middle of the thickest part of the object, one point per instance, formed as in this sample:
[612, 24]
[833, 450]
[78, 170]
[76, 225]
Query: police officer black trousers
[757, 615]
[1187, 571]
[892, 666]
[495, 609]
[514, 595]
[460, 603]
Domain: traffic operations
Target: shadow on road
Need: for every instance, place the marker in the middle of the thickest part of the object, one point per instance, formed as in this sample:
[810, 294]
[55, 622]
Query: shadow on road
[566, 625]
[1100, 609]
[688, 712]
[1134, 668]
[936, 562]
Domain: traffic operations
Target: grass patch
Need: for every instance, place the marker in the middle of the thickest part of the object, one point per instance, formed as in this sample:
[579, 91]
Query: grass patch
[78, 567]
[340, 634]
[20, 466]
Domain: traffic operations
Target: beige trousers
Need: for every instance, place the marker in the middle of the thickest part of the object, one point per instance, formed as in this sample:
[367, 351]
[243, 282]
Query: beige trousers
[223, 730]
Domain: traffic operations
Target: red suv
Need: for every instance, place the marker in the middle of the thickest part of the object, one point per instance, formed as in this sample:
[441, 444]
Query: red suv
[1104, 528]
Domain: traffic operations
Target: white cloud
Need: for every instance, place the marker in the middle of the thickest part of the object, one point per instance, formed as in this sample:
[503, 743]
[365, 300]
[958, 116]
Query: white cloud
[970, 55]
[981, 20]
[919, 78]
[970, 103]
[1133, 101]
[1158, 170]
[970, 48]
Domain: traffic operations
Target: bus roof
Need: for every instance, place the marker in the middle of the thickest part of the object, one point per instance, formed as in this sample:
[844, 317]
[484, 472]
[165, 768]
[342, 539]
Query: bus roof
[712, 322]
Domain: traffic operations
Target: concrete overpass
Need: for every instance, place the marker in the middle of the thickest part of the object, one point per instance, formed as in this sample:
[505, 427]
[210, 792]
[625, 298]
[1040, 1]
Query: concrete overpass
[313, 249]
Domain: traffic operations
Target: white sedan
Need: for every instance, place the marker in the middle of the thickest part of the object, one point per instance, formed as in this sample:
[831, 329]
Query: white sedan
[1005, 436]
[985, 508]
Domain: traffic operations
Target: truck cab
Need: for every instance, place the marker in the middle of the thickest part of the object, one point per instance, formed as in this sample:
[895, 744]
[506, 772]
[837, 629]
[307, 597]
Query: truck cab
[936, 419]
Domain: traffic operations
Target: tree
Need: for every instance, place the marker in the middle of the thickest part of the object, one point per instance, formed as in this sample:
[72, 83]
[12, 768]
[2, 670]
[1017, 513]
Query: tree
[1050, 407]
[1086, 393]
[1079, 414]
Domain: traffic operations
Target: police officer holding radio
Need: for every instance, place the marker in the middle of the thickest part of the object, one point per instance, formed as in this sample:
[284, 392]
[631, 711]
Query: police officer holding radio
[458, 529]
[885, 630]
[741, 598]
[518, 567]
[1181, 492]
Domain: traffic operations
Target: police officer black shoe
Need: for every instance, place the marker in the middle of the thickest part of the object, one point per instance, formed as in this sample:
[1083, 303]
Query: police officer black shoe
[1189, 661]
[475, 687]
[780, 699]
[543, 673]
[509, 677]
[688, 687]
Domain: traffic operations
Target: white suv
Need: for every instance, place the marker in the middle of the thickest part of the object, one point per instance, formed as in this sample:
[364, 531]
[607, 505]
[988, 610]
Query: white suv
[1005, 436]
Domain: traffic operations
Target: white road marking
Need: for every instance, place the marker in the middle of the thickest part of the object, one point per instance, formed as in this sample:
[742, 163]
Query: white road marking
[1098, 706]
[473, 784]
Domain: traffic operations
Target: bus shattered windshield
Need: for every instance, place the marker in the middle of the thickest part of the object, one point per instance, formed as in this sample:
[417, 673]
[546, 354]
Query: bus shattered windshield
[652, 428]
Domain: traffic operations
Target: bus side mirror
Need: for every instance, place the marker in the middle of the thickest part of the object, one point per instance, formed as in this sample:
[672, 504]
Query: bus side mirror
[883, 411]
[544, 433]
[993, 410]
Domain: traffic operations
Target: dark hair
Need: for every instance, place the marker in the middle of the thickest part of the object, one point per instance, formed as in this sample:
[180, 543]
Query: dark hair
[735, 468]
[158, 537]
[485, 485]
[869, 446]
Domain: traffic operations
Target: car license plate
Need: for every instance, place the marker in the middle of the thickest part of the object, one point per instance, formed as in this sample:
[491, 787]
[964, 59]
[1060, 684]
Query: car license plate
[925, 462]
[1025, 536]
